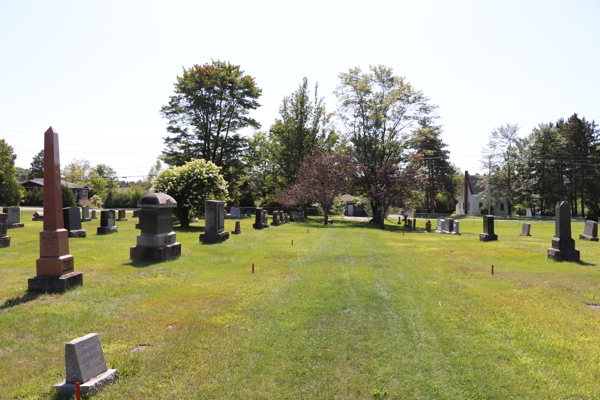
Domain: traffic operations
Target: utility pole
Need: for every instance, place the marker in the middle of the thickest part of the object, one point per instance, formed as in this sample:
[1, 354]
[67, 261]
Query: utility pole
[489, 185]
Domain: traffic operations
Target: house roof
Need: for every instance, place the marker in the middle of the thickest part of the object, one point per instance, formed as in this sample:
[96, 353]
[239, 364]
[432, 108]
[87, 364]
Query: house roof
[347, 198]
[474, 181]
[40, 182]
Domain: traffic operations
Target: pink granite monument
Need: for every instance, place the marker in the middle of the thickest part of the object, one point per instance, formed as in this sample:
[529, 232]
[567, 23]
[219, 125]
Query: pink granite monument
[56, 267]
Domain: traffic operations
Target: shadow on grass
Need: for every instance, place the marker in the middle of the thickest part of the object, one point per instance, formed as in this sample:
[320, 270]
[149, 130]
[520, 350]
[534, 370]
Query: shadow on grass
[315, 223]
[585, 263]
[143, 264]
[188, 229]
[27, 297]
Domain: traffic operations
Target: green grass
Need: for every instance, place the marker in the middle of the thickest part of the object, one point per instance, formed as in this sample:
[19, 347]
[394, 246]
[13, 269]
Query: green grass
[347, 312]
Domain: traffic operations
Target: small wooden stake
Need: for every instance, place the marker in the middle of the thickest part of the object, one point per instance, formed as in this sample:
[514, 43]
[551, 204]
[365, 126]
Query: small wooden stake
[292, 242]
[492, 269]
[252, 268]
[77, 391]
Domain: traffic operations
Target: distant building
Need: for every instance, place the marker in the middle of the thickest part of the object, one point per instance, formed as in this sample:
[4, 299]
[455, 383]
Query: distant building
[80, 192]
[473, 191]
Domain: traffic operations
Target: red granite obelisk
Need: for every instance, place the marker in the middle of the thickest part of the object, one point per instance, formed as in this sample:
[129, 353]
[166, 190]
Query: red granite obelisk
[56, 267]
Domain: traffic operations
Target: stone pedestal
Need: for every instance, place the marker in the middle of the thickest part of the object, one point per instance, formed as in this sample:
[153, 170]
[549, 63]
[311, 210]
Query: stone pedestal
[107, 223]
[487, 237]
[157, 242]
[4, 239]
[106, 230]
[55, 283]
[214, 237]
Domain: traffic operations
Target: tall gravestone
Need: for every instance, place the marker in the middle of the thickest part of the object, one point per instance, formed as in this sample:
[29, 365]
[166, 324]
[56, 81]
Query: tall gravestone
[258, 221]
[107, 223]
[14, 217]
[122, 216]
[276, 221]
[414, 224]
[214, 222]
[84, 363]
[93, 214]
[488, 234]
[438, 225]
[4, 238]
[525, 230]
[85, 214]
[563, 245]
[238, 229]
[72, 222]
[157, 242]
[266, 218]
[590, 232]
[55, 269]
[456, 229]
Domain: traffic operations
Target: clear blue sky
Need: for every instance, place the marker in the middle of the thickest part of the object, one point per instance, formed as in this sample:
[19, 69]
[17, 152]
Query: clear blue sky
[98, 72]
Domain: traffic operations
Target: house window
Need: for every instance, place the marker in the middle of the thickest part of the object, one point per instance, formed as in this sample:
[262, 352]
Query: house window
[501, 206]
[480, 205]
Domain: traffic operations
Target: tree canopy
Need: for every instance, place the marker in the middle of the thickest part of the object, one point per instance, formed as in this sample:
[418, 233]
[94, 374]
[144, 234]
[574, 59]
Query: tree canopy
[10, 190]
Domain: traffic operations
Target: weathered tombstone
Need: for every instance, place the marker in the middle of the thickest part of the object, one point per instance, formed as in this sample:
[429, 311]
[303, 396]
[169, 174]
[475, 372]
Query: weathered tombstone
[414, 224]
[409, 224]
[265, 218]
[526, 230]
[157, 242]
[84, 363]
[214, 222]
[438, 225]
[4, 238]
[456, 230]
[590, 232]
[286, 217]
[236, 212]
[448, 225]
[563, 245]
[122, 216]
[528, 212]
[14, 217]
[258, 220]
[55, 268]
[488, 234]
[237, 228]
[72, 222]
[276, 221]
[405, 220]
[399, 220]
[94, 214]
[428, 226]
[136, 214]
[38, 216]
[85, 214]
[107, 223]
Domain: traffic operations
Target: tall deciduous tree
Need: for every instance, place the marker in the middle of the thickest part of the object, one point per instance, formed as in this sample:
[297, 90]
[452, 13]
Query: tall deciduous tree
[303, 128]
[377, 110]
[211, 103]
[37, 166]
[10, 190]
[109, 175]
[77, 171]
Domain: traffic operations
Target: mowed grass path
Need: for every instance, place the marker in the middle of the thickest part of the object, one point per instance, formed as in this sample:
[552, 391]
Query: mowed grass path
[343, 313]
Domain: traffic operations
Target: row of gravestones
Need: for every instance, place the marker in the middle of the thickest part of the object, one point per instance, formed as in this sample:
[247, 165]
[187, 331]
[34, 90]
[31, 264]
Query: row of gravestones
[10, 218]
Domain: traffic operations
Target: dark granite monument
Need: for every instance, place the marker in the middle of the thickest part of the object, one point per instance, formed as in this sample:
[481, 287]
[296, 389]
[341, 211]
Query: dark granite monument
[525, 230]
[590, 232]
[72, 219]
[136, 214]
[94, 214]
[56, 267]
[258, 221]
[157, 240]
[237, 228]
[276, 219]
[122, 216]
[488, 234]
[563, 245]
[38, 216]
[4, 238]
[447, 225]
[266, 218]
[14, 217]
[409, 224]
[84, 363]
[107, 223]
[85, 214]
[414, 224]
[214, 222]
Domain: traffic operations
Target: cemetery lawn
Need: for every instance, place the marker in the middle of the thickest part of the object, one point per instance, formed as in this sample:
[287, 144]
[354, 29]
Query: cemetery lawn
[347, 312]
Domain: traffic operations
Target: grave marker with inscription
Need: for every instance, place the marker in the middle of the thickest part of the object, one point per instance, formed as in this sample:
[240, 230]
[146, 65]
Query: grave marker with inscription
[456, 230]
[157, 240]
[14, 217]
[85, 214]
[563, 245]
[214, 222]
[38, 216]
[84, 363]
[122, 216]
[56, 267]
[136, 214]
[107, 223]
[526, 230]
[488, 234]
[237, 230]
[93, 214]
[72, 221]
[4, 238]
[259, 219]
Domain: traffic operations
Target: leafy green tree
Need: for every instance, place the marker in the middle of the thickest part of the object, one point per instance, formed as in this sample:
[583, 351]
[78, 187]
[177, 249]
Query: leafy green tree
[262, 180]
[377, 110]
[211, 103]
[191, 185]
[68, 197]
[107, 173]
[21, 174]
[37, 166]
[11, 191]
[432, 154]
[77, 171]
[304, 127]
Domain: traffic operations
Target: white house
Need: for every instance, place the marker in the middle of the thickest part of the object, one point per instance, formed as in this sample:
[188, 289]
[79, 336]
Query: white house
[475, 198]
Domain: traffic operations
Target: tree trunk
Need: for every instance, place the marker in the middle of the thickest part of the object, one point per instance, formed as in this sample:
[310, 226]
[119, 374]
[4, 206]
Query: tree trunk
[304, 211]
[184, 216]
[325, 218]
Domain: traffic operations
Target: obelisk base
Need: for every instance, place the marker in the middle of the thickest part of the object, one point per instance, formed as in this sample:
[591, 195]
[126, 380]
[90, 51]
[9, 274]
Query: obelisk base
[55, 283]
[589, 238]
[487, 237]
[65, 389]
[4, 241]
[563, 249]
[214, 237]
[78, 233]
[155, 253]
